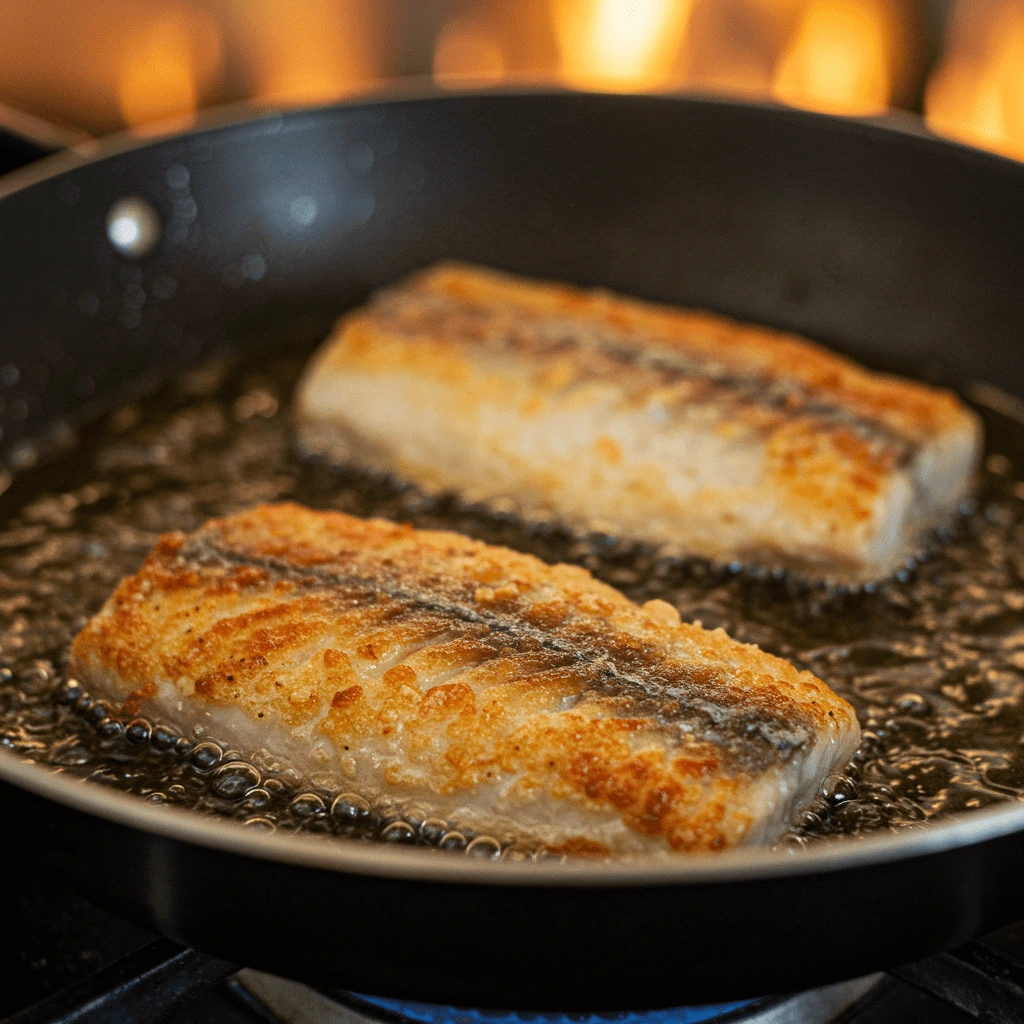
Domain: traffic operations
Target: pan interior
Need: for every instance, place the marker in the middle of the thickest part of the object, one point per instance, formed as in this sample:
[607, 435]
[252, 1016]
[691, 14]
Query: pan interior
[933, 661]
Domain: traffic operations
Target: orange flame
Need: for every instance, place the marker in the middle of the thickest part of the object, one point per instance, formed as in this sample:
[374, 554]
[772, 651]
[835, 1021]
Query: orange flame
[732, 46]
[166, 66]
[619, 44]
[308, 52]
[977, 93]
[838, 60]
[154, 59]
[468, 51]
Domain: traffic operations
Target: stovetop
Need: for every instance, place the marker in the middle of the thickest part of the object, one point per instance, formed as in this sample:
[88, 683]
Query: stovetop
[67, 960]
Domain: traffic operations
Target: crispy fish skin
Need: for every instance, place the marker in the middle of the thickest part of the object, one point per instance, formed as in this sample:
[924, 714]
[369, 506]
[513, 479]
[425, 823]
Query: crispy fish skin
[682, 428]
[491, 687]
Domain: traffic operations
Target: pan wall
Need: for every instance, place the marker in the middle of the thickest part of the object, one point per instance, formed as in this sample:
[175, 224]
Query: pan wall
[900, 249]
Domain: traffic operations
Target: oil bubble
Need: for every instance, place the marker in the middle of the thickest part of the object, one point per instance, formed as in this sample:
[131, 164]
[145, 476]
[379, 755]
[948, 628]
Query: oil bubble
[72, 692]
[257, 799]
[350, 809]
[399, 832]
[234, 779]
[485, 848]
[837, 789]
[163, 738]
[205, 756]
[138, 731]
[97, 714]
[549, 856]
[433, 830]
[810, 820]
[307, 805]
[517, 853]
[453, 840]
[912, 704]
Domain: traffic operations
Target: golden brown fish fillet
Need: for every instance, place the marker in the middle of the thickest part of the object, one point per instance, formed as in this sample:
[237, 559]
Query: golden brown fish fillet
[491, 687]
[682, 428]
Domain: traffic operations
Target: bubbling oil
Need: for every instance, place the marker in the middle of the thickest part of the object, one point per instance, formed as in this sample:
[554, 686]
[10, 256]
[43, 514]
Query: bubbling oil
[933, 660]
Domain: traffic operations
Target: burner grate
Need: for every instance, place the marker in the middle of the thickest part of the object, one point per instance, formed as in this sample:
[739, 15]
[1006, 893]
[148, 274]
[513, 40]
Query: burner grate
[139, 988]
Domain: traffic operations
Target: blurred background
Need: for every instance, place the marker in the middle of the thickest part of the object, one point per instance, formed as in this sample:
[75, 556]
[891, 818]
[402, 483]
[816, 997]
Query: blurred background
[101, 65]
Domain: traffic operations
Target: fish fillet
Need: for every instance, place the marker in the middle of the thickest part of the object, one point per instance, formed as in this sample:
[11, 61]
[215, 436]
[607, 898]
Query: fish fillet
[494, 689]
[680, 428]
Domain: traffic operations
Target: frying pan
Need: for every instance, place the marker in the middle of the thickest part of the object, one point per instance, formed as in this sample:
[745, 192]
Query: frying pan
[884, 242]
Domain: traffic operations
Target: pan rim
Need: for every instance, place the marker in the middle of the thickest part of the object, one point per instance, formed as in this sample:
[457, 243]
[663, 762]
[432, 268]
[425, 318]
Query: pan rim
[336, 854]
[415, 90]
[321, 853]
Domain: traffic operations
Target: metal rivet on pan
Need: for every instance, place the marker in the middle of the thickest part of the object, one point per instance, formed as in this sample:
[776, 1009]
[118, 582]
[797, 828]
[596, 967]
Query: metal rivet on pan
[133, 227]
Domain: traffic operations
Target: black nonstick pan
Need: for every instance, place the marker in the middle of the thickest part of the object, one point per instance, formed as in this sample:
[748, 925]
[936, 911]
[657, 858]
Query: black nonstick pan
[888, 244]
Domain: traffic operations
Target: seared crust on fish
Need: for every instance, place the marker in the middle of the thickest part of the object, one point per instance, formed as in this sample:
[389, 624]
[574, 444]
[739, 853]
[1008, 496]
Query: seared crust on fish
[682, 428]
[494, 689]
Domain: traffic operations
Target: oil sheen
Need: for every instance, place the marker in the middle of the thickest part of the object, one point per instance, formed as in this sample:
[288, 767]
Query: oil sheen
[933, 660]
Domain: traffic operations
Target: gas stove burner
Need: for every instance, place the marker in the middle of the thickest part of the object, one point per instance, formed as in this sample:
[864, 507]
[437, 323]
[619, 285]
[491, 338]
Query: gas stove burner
[292, 1003]
[429, 1013]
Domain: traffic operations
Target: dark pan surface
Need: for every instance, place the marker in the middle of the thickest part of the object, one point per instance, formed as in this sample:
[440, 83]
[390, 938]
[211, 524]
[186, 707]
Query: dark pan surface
[888, 245]
[897, 248]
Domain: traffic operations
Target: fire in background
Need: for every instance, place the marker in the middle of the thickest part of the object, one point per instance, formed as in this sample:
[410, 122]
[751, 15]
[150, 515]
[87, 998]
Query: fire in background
[976, 93]
[105, 64]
